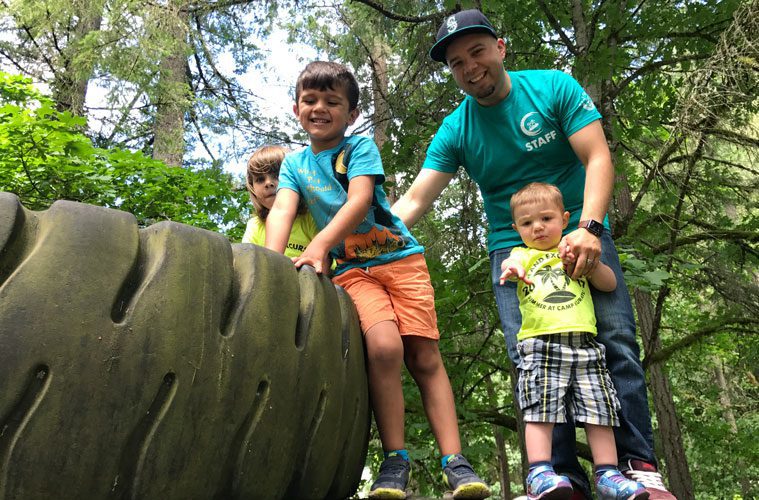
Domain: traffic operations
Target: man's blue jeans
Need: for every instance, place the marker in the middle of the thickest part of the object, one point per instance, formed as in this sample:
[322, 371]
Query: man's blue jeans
[616, 330]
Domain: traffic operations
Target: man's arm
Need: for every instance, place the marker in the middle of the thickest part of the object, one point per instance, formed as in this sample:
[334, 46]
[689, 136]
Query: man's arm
[279, 222]
[423, 192]
[346, 220]
[589, 144]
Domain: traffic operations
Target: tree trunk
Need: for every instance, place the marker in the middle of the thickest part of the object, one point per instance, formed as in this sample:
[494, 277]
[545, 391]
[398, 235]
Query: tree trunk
[172, 94]
[670, 434]
[724, 395]
[381, 109]
[500, 444]
[69, 85]
[669, 426]
[727, 413]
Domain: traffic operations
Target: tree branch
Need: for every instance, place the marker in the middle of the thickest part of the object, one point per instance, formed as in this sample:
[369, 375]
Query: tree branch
[717, 234]
[509, 422]
[557, 27]
[702, 32]
[407, 19]
[735, 137]
[614, 92]
[716, 327]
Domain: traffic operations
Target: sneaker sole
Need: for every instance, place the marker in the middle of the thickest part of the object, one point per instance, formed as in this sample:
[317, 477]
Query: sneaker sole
[559, 493]
[471, 491]
[387, 494]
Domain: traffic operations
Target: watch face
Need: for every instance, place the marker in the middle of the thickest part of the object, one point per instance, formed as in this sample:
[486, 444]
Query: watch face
[595, 227]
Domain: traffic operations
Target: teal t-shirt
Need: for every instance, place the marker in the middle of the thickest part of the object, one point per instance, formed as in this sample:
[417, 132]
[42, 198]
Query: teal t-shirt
[322, 180]
[522, 139]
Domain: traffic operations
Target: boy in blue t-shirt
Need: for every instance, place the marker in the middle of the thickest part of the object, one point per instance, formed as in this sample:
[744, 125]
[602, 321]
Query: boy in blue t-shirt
[379, 264]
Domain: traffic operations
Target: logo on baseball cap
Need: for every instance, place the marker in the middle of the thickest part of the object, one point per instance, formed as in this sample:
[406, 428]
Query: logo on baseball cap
[460, 23]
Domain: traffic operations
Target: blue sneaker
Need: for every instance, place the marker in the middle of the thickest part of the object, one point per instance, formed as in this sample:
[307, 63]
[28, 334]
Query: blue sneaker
[463, 481]
[612, 485]
[544, 484]
[392, 479]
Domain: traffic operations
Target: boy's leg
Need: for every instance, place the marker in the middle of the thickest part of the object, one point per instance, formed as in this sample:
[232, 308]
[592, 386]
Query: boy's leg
[408, 283]
[601, 441]
[384, 350]
[384, 353]
[425, 364]
[610, 483]
[537, 436]
[542, 481]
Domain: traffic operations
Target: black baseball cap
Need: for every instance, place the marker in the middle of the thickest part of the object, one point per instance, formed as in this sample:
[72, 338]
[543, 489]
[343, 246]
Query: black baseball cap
[460, 23]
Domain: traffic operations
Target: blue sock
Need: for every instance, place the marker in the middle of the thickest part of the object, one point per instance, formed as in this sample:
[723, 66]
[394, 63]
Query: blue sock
[446, 458]
[601, 469]
[535, 465]
[397, 453]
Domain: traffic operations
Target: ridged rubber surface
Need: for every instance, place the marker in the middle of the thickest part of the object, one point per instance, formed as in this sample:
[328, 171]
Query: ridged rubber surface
[165, 363]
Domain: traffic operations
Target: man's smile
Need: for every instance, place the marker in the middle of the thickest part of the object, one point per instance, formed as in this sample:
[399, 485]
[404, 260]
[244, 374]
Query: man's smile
[477, 78]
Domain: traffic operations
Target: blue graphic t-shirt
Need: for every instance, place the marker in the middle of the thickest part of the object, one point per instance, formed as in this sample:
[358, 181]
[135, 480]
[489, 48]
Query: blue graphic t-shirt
[322, 179]
[520, 140]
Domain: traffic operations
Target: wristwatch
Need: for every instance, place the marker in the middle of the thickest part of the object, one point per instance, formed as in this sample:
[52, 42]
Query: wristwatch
[593, 226]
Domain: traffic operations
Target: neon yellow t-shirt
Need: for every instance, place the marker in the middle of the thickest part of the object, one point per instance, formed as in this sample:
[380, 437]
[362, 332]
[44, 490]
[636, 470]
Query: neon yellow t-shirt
[554, 303]
[303, 231]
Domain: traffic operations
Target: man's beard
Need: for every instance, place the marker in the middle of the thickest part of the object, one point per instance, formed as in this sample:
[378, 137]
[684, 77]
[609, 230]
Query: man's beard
[486, 92]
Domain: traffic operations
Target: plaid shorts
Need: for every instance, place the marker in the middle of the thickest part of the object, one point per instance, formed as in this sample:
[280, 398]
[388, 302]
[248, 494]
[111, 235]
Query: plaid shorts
[565, 372]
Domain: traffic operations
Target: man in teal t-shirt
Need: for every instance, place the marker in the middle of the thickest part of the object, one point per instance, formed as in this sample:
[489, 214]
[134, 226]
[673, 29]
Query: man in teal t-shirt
[518, 127]
[524, 137]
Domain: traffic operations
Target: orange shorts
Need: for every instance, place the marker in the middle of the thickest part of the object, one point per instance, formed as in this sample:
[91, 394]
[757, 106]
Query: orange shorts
[400, 291]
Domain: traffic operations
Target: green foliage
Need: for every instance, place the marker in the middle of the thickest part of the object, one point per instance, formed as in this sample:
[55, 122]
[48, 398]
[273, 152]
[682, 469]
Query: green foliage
[44, 157]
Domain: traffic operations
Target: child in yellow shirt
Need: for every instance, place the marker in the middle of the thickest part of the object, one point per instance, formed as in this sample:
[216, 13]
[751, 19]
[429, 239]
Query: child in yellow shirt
[562, 369]
[262, 182]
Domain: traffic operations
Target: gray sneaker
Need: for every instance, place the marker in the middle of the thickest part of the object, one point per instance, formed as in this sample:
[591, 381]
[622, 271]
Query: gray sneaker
[392, 479]
[461, 479]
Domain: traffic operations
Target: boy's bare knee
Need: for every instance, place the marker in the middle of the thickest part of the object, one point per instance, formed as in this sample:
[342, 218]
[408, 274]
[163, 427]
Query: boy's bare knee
[383, 344]
[385, 353]
[423, 359]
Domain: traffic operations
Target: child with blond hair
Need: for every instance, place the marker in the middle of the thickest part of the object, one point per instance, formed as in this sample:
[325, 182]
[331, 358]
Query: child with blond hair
[562, 369]
[262, 180]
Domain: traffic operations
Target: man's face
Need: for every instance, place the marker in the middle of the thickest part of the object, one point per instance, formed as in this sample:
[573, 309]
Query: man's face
[476, 61]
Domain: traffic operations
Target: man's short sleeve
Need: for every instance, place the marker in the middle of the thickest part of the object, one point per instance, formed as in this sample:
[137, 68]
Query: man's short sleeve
[575, 107]
[442, 155]
[287, 177]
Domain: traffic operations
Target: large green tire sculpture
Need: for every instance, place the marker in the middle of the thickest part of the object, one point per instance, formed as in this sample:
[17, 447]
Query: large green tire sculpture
[165, 363]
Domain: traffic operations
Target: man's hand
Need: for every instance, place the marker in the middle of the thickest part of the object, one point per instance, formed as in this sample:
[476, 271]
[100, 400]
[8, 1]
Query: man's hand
[580, 252]
[509, 269]
[315, 256]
